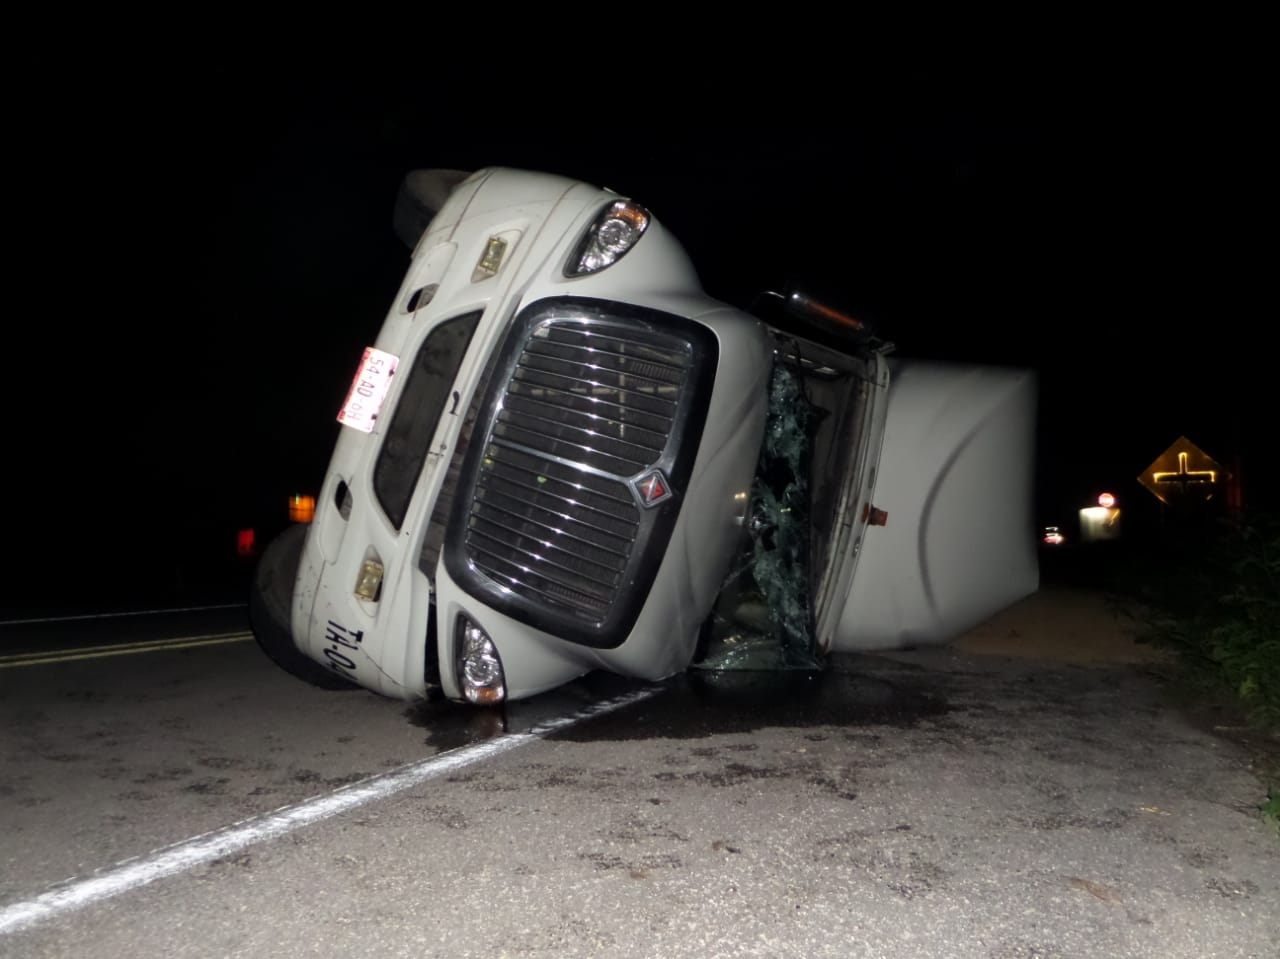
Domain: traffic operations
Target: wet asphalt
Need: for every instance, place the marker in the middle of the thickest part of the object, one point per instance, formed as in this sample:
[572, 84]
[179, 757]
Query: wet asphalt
[929, 803]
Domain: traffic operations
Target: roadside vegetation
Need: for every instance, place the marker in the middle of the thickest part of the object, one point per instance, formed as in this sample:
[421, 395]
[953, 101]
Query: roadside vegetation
[1210, 593]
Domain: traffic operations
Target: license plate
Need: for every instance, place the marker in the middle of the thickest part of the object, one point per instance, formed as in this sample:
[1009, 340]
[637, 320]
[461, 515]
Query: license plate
[368, 390]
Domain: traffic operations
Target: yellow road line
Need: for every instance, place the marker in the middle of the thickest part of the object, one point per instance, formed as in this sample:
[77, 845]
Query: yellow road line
[28, 620]
[121, 649]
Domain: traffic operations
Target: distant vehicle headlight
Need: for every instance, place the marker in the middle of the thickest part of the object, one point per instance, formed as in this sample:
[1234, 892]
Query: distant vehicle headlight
[614, 232]
[1053, 536]
[479, 668]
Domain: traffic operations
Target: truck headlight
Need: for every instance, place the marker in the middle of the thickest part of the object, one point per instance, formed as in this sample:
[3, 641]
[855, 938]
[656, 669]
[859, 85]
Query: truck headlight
[614, 232]
[478, 667]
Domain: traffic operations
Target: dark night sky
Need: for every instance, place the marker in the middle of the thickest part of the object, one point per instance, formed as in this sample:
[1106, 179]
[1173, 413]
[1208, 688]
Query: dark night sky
[204, 247]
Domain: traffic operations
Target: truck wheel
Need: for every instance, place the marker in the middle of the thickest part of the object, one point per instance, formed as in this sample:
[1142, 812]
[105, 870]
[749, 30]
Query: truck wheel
[270, 599]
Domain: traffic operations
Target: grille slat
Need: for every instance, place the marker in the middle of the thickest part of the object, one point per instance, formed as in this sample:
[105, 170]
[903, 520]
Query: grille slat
[620, 348]
[518, 577]
[584, 489]
[529, 518]
[558, 509]
[620, 397]
[502, 551]
[598, 422]
[564, 428]
[523, 434]
[655, 371]
[637, 380]
[628, 416]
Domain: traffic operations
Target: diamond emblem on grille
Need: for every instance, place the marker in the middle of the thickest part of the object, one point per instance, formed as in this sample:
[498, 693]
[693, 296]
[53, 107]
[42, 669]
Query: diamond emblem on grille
[651, 488]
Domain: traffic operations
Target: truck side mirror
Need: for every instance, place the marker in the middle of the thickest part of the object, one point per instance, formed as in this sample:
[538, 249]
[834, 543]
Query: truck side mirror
[421, 195]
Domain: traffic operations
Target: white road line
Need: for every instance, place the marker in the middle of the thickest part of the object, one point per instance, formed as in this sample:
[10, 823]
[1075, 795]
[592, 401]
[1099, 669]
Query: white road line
[135, 873]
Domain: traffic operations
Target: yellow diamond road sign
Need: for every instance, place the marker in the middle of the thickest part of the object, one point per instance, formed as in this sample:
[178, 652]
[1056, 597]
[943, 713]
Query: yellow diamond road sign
[1183, 472]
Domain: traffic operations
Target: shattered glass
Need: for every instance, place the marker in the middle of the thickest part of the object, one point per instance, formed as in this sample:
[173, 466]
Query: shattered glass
[763, 618]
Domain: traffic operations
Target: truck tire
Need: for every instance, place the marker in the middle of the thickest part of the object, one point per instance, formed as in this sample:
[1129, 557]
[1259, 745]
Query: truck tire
[270, 599]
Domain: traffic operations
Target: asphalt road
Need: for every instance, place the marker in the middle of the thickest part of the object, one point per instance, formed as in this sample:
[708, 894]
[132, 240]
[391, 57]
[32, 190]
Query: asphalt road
[1005, 798]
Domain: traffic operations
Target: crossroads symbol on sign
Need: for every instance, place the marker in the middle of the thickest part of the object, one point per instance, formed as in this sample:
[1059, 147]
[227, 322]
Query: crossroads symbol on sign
[1183, 471]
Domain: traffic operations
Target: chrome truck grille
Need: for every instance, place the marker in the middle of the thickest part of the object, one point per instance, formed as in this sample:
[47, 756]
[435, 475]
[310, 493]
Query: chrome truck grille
[555, 520]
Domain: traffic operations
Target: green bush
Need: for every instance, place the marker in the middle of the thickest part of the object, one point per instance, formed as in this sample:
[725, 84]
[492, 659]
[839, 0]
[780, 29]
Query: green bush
[1210, 592]
[1215, 600]
[1271, 808]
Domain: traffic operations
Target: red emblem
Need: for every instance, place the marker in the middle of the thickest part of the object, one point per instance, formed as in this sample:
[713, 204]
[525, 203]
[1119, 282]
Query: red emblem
[651, 488]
